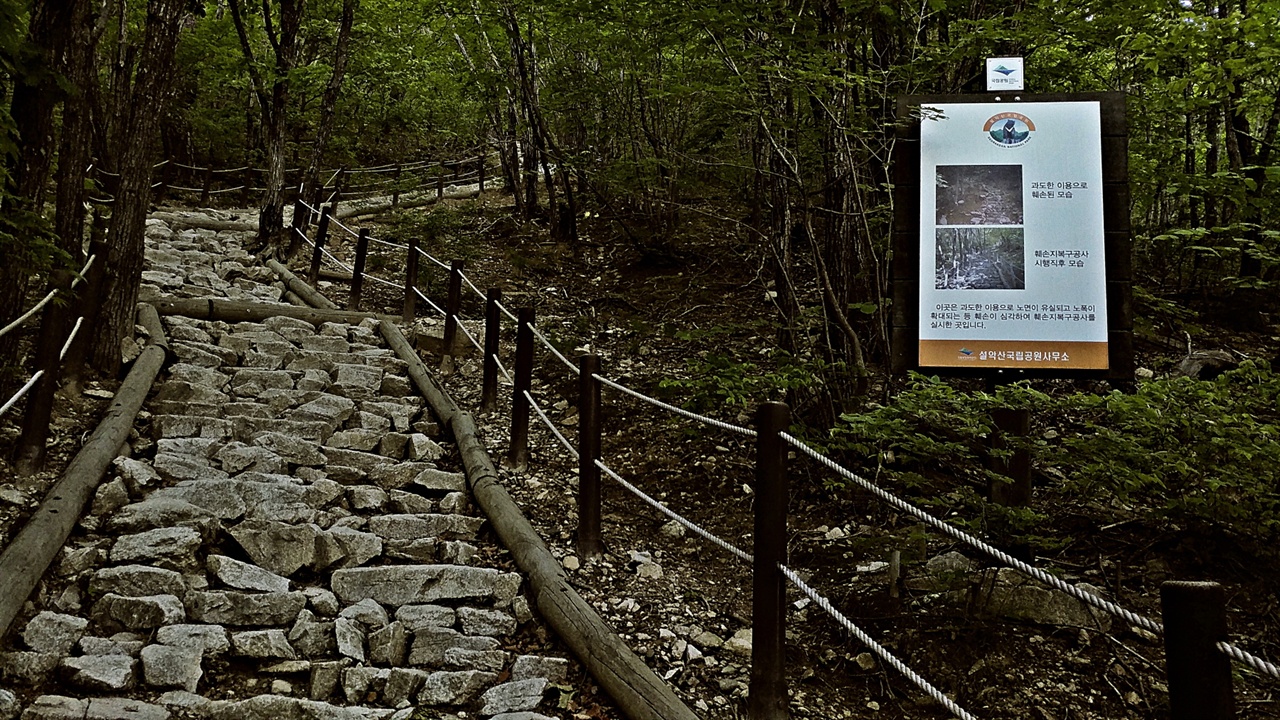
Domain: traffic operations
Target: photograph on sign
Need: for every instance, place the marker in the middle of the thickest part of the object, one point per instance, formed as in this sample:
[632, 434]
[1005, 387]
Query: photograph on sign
[1011, 231]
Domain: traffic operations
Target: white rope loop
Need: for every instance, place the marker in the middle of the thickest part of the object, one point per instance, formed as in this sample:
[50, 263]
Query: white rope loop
[472, 338]
[1253, 661]
[511, 316]
[503, 369]
[875, 647]
[21, 392]
[428, 301]
[957, 534]
[66, 346]
[679, 411]
[732, 549]
[434, 259]
[568, 363]
[550, 425]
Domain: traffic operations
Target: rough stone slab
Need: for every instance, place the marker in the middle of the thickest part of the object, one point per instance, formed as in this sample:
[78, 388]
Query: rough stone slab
[488, 660]
[350, 638]
[479, 621]
[554, 670]
[123, 709]
[181, 426]
[330, 409]
[250, 382]
[431, 644]
[402, 683]
[370, 421]
[330, 344]
[56, 707]
[433, 480]
[54, 633]
[513, 696]
[281, 548]
[421, 447]
[358, 439]
[357, 547]
[454, 688]
[279, 707]
[408, 503]
[237, 456]
[243, 576]
[424, 551]
[441, 527]
[208, 640]
[262, 644]
[138, 476]
[167, 666]
[198, 447]
[388, 645]
[399, 474]
[245, 428]
[410, 584]
[421, 617]
[27, 668]
[366, 497]
[172, 547]
[161, 512]
[138, 613]
[355, 459]
[311, 638]
[115, 645]
[393, 445]
[178, 391]
[137, 581]
[103, 673]
[359, 681]
[235, 608]
[179, 468]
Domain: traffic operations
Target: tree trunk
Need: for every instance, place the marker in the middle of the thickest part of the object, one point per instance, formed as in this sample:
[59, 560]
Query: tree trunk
[136, 153]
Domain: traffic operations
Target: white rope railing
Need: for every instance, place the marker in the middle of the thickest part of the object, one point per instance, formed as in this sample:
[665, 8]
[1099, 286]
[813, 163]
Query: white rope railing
[475, 343]
[21, 320]
[550, 425]
[66, 346]
[434, 259]
[21, 392]
[876, 647]
[1253, 661]
[510, 315]
[954, 532]
[711, 537]
[503, 369]
[679, 411]
[428, 301]
[560, 356]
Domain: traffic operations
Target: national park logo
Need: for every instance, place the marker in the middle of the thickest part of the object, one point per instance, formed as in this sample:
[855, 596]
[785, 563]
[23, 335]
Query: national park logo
[1009, 129]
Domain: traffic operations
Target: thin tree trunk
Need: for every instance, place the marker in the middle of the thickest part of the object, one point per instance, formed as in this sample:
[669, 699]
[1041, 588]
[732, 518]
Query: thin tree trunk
[128, 219]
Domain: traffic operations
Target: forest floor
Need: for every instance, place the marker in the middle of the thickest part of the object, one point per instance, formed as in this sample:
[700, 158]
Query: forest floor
[679, 600]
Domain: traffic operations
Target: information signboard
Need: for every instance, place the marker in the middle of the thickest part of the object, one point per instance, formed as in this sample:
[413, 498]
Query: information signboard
[1012, 265]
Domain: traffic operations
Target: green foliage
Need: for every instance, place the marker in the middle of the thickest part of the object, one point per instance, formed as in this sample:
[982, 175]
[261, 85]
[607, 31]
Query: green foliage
[1177, 449]
[714, 381]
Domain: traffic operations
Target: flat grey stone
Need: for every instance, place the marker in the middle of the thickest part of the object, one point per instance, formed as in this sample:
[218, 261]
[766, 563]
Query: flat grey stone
[412, 584]
[370, 421]
[513, 696]
[54, 633]
[92, 645]
[262, 644]
[357, 439]
[243, 576]
[173, 547]
[235, 608]
[331, 344]
[281, 548]
[431, 644]
[139, 477]
[188, 392]
[221, 499]
[388, 645]
[200, 448]
[455, 503]
[314, 360]
[393, 445]
[294, 329]
[246, 428]
[251, 382]
[408, 503]
[454, 688]
[56, 707]
[9, 705]
[420, 617]
[359, 681]
[170, 666]
[368, 613]
[1015, 596]
[331, 409]
[488, 660]
[409, 527]
[208, 640]
[137, 581]
[322, 600]
[27, 668]
[109, 497]
[479, 621]
[236, 456]
[425, 551]
[183, 700]
[399, 474]
[324, 678]
[185, 426]
[400, 412]
[209, 377]
[422, 447]
[161, 512]
[366, 497]
[123, 709]
[402, 683]
[105, 673]
[350, 637]
[311, 638]
[138, 613]
[357, 381]
[395, 386]
[206, 355]
[439, 482]
[554, 670]
[367, 462]
[177, 468]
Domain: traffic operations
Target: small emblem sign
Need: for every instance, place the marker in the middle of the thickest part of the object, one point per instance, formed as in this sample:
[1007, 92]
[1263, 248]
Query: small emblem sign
[1005, 74]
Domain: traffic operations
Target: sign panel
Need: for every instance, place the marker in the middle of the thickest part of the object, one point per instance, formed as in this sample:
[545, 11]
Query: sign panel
[1005, 74]
[1012, 265]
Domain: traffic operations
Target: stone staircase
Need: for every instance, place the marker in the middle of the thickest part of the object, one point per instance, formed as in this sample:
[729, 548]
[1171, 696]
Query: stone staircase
[289, 536]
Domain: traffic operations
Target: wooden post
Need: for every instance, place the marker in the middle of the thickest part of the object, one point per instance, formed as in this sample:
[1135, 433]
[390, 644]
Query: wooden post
[440, 183]
[395, 186]
[767, 692]
[337, 190]
[410, 281]
[247, 192]
[492, 327]
[322, 232]
[1016, 466]
[357, 276]
[452, 306]
[590, 544]
[208, 185]
[1195, 619]
[518, 453]
[483, 158]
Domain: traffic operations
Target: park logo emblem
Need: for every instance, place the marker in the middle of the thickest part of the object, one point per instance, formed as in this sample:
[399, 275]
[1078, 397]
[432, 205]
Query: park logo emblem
[1009, 129]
